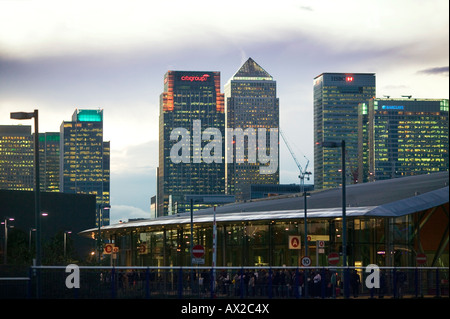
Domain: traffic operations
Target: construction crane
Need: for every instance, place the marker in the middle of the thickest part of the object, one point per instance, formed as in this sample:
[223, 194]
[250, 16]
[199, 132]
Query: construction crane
[302, 172]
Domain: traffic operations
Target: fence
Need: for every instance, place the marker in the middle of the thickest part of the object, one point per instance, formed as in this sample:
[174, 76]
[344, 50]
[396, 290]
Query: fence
[226, 282]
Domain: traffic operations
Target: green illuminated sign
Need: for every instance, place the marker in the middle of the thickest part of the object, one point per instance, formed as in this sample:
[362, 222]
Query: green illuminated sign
[89, 116]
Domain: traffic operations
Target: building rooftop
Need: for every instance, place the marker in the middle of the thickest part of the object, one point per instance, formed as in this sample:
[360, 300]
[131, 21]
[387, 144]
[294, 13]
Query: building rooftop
[252, 70]
[387, 198]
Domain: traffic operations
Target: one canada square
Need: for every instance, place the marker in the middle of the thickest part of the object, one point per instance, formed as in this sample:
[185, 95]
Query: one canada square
[252, 122]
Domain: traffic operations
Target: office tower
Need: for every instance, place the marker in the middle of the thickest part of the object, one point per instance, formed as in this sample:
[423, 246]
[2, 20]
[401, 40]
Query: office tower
[191, 135]
[402, 137]
[252, 110]
[336, 99]
[49, 144]
[16, 157]
[84, 159]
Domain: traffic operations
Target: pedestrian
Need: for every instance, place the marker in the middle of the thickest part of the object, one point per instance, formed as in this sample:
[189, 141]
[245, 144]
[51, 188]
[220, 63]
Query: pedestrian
[333, 281]
[317, 281]
[355, 282]
[251, 285]
[401, 280]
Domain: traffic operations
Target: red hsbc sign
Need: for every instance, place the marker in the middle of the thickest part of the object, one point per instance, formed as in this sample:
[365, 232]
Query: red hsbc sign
[202, 78]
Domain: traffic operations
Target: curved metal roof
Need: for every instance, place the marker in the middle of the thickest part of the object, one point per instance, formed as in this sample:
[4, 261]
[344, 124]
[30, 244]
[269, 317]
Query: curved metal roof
[388, 198]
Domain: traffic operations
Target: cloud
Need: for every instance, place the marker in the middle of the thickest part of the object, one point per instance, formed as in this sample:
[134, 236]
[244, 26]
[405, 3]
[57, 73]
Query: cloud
[126, 212]
[133, 180]
[306, 8]
[54, 28]
[443, 70]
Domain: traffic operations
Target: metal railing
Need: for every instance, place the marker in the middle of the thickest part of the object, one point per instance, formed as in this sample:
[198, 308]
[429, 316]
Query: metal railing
[227, 282]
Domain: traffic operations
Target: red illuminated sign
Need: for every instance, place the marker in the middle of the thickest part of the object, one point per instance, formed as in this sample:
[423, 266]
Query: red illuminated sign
[202, 78]
[347, 78]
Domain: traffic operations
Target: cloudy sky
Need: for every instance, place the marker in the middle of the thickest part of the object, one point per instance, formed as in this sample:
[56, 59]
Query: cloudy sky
[61, 55]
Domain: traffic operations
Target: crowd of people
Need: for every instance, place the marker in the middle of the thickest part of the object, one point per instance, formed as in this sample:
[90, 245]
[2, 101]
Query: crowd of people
[247, 283]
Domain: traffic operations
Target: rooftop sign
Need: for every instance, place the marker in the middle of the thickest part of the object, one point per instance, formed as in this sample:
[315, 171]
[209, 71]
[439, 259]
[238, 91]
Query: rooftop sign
[195, 78]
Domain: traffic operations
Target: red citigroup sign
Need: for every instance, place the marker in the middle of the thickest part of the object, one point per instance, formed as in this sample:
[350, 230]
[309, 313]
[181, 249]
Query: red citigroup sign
[195, 78]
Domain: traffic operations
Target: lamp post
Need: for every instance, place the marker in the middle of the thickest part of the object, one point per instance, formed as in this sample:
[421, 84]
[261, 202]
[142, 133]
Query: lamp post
[5, 251]
[101, 207]
[65, 242]
[37, 200]
[344, 204]
[305, 195]
[29, 238]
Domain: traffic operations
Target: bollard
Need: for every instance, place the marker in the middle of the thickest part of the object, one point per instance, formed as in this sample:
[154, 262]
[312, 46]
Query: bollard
[180, 283]
[212, 283]
[438, 289]
[147, 283]
[297, 284]
[241, 283]
[113, 283]
[416, 282]
[323, 287]
[270, 283]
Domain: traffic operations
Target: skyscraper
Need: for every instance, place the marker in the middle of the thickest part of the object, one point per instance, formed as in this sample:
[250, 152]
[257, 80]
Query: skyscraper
[403, 137]
[252, 110]
[191, 135]
[336, 99]
[16, 157]
[49, 154]
[84, 159]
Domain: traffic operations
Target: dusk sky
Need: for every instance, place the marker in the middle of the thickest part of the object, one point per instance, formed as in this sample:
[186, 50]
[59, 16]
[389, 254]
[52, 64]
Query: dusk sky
[57, 56]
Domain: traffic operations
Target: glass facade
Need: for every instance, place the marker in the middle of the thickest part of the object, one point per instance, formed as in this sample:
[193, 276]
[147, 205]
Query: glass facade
[251, 104]
[49, 144]
[191, 136]
[405, 137]
[84, 159]
[336, 99]
[376, 240]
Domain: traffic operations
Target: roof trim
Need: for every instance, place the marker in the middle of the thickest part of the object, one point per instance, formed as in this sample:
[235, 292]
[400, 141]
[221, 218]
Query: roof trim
[395, 209]
[413, 204]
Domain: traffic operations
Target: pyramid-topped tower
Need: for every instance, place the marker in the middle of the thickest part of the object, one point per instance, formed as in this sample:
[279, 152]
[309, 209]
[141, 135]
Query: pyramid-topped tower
[251, 105]
[251, 70]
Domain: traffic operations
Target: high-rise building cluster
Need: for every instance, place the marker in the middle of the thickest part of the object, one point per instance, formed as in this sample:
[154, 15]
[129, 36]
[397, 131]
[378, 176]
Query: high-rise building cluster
[384, 137]
[216, 147]
[215, 144]
[74, 160]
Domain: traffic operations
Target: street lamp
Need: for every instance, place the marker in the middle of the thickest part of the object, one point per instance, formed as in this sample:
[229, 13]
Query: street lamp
[37, 200]
[5, 251]
[305, 195]
[65, 242]
[101, 207]
[344, 204]
[29, 238]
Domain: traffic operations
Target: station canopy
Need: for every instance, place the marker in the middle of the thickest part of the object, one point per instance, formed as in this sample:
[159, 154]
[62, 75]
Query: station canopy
[387, 198]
